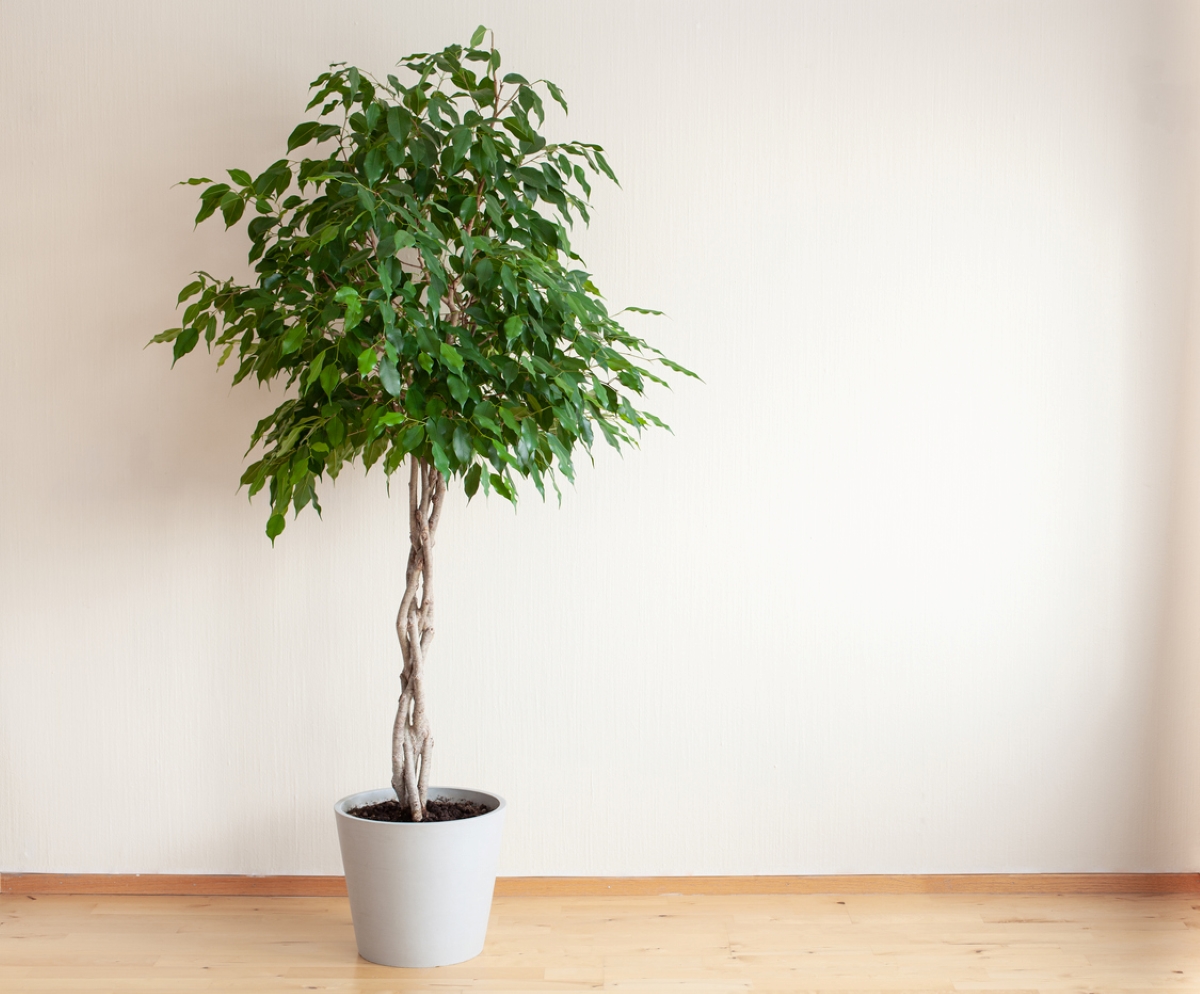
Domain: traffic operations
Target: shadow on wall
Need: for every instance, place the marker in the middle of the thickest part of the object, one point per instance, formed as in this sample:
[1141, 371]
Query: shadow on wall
[1172, 812]
[1171, 815]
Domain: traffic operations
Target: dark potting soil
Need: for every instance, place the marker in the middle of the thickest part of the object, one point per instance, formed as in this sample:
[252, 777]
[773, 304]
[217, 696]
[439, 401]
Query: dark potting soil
[439, 809]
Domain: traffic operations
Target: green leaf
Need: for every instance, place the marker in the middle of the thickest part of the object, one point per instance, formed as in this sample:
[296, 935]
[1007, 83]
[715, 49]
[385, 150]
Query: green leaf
[458, 389]
[396, 122]
[663, 360]
[330, 376]
[190, 290]
[500, 485]
[232, 208]
[389, 376]
[460, 139]
[373, 165]
[348, 295]
[239, 176]
[251, 474]
[302, 134]
[486, 423]
[451, 357]
[471, 483]
[207, 210]
[631, 379]
[513, 327]
[184, 343]
[581, 179]
[563, 456]
[335, 431]
[189, 315]
[439, 458]
[529, 432]
[461, 442]
[293, 338]
[556, 93]
[314, 370]
[510, 284]
[602, 162]
[215, 192]
[367, 359]
[413, 437]
[275, 526]
[478, 36]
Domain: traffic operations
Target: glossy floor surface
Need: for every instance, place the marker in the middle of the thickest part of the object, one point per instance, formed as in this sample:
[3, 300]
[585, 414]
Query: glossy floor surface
[713, 944]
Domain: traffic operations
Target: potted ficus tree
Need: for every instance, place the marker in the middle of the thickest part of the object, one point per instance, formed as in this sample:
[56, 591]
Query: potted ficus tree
[416, 291]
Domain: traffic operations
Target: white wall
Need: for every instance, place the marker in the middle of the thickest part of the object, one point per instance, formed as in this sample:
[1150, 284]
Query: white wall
[896, 595]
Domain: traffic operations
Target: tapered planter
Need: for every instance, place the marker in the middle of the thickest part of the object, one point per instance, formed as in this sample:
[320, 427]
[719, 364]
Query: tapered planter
[420, 892]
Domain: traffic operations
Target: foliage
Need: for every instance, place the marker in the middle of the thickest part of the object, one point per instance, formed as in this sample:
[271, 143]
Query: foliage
[417, 287]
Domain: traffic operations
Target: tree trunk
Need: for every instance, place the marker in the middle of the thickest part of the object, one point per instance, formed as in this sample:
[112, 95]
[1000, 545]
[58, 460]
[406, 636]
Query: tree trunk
[411, 741]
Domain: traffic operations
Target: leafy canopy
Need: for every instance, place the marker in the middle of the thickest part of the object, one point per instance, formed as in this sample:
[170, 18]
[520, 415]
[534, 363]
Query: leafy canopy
[418, 288]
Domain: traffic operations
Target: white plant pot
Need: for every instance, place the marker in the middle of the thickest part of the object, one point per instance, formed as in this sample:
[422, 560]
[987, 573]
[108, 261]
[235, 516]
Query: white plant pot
[420, 892]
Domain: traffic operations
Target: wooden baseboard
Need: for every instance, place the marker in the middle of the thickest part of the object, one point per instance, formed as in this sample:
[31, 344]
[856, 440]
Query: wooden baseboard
[200, 884]
[211, 885]
[874, 883]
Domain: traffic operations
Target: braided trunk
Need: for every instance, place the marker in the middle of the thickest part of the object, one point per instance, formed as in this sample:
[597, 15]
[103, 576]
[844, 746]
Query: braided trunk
[411, 741]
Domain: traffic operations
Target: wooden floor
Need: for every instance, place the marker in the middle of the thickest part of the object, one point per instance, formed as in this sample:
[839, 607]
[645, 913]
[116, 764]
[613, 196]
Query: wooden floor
[937, 942]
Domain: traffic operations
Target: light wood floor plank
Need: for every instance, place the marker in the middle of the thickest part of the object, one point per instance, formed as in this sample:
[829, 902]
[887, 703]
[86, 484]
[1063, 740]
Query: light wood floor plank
[688, 944]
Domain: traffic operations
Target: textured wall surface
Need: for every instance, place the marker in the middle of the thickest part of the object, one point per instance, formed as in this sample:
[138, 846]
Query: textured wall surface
[910, 589]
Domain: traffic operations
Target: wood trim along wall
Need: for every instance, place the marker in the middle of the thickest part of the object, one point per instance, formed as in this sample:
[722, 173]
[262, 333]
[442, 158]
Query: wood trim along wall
[887, 883]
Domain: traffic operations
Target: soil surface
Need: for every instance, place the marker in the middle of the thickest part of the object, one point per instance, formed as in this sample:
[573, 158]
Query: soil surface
[438, 809]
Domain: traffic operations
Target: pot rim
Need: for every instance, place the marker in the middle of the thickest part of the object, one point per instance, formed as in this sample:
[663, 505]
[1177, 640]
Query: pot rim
[352, 800]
